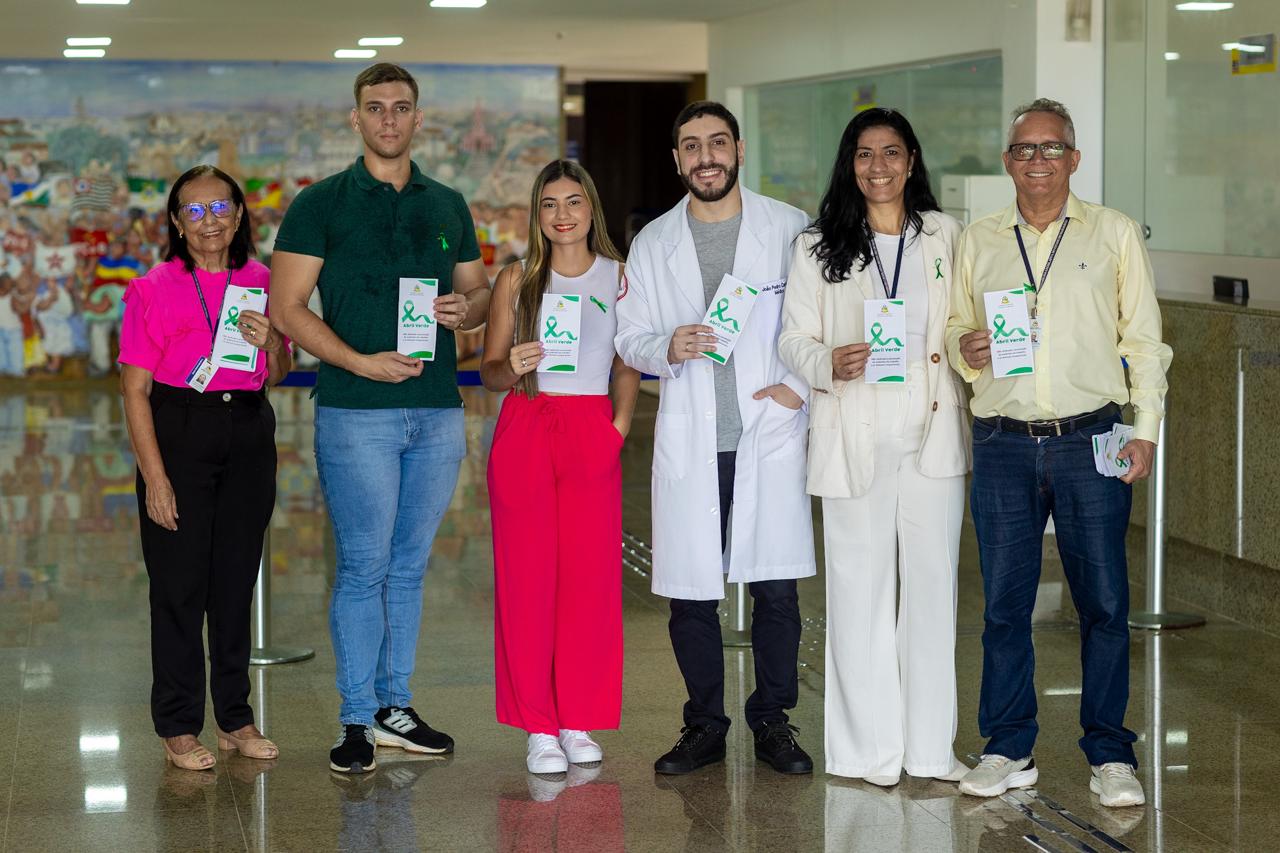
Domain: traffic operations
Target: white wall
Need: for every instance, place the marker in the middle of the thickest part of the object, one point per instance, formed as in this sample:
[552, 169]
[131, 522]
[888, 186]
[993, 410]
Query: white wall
[816, 38]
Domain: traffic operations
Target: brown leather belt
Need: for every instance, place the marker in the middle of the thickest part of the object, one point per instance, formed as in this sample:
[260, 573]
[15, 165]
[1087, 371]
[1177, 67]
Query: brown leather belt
[1049, 429]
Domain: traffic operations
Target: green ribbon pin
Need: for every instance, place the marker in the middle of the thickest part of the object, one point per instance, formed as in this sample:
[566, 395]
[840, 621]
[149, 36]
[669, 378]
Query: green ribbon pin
[233, 317]
[876, 340]
[937, 268]
[551, 332]
[410, 317]
[718, 314]
[600, 305]
[997, 324]
[444, 244]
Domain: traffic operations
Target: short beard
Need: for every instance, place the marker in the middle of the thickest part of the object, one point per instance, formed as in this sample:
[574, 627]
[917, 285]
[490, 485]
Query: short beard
[730, 181]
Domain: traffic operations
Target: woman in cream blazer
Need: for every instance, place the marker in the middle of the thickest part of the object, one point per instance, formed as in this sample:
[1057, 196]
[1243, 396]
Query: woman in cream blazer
[887, 459]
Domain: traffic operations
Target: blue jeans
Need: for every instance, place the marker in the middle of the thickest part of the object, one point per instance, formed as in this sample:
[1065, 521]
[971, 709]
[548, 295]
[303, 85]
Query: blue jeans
[388, 476]
[1017, 482]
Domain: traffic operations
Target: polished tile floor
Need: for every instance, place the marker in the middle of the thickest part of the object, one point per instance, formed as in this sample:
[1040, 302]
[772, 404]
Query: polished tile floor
[81, 770]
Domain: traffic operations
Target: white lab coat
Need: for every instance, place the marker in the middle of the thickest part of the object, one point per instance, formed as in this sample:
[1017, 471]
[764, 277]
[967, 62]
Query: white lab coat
[771, 537]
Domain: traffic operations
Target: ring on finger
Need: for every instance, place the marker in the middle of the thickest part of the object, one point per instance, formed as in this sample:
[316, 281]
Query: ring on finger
[524, 363]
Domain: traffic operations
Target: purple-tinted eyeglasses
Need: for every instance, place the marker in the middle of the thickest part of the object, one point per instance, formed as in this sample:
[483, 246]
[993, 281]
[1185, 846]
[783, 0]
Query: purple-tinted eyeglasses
[195, 211]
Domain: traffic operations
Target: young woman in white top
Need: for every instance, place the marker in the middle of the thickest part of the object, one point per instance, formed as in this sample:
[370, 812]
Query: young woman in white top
[888, 460]
[555, 480]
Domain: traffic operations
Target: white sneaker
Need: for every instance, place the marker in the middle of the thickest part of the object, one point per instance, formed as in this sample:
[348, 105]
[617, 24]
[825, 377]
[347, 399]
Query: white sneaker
[545, 755]
[883, 781]
[958, 771]
[579, 748]
[1115, 785]
[996, 774]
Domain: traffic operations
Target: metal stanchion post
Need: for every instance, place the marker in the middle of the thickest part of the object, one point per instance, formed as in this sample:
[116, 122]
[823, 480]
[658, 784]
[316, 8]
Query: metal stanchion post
[737, 634]
[263, 653]
[1155, 617]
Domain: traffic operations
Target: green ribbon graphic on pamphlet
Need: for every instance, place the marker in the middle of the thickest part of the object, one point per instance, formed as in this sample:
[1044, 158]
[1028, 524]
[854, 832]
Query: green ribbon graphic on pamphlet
[997, 323]
[551, 332]
[233, 317]
[718, 314]
[876, 340]
[937, 268]
[410, 317]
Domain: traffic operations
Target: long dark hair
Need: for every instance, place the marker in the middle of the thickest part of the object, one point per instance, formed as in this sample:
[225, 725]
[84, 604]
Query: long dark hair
[536, 277]
[842, 215]
[241, 242]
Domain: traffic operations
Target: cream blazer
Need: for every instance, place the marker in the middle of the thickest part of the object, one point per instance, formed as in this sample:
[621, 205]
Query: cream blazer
[818, 316]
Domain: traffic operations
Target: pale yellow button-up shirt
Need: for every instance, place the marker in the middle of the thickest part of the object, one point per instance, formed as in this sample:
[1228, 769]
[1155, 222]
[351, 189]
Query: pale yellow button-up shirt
[1097, 305]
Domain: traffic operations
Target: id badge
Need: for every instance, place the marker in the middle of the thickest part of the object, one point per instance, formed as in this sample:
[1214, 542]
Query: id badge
[1037, 333]
[202, 374]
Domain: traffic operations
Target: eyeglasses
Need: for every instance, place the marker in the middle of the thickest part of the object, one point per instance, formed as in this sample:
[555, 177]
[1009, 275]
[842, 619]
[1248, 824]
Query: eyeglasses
[1027, 150]
[195, 211]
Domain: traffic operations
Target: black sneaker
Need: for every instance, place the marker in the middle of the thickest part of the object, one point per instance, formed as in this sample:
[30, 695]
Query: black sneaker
[353, 753]
[403, 727]
[698, 746]
[776, 744]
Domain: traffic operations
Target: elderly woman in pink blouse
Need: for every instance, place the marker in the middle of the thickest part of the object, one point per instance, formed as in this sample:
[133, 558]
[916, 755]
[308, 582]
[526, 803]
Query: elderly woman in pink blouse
[204, 437]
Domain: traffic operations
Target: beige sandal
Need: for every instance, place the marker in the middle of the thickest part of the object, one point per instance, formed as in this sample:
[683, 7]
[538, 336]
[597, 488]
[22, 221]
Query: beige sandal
[250, 747]
[194, 759]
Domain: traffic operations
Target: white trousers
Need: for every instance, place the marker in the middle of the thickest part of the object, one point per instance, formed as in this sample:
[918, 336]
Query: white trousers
[891, 558]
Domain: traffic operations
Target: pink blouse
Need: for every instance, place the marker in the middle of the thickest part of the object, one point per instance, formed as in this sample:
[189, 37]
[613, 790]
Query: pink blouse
[164, 329]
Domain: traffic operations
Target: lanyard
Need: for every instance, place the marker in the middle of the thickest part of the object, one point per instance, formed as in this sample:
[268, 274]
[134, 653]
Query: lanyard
[213, 335]
[1026, 262]
[897, 268]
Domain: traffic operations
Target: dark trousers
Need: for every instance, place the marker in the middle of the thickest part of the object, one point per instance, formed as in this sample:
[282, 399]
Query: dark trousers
[220, 457]
[1017, 482]
[775, 642]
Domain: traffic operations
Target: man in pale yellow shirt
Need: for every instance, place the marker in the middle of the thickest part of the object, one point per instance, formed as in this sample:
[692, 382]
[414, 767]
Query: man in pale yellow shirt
[1087, 279]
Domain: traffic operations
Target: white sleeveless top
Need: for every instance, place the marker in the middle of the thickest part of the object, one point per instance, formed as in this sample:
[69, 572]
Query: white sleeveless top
[598, 287]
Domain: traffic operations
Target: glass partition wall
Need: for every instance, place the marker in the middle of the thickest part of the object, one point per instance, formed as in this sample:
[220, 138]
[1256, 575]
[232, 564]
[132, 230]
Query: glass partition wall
[1192, 146]
[793, 129]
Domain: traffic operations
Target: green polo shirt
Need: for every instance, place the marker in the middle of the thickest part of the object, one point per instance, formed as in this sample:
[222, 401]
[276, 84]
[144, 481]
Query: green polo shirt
[371, 236]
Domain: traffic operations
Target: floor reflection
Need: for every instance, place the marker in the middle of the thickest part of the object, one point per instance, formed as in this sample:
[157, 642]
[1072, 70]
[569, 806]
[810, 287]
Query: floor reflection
[89, 775]
[564, 812]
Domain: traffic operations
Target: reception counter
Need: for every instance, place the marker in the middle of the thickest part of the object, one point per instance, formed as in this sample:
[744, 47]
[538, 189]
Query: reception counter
[1222, 456]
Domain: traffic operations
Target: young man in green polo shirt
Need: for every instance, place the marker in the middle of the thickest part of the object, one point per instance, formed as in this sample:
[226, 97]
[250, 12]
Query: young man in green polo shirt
[388, 432]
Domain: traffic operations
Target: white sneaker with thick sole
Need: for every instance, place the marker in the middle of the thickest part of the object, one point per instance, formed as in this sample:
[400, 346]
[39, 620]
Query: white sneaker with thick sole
[1116, 785]
[545, 755]
[579, 748]
[996, 774]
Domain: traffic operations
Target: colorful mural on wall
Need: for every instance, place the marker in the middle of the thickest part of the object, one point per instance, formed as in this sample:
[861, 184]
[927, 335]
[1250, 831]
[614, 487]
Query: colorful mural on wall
[87, 152]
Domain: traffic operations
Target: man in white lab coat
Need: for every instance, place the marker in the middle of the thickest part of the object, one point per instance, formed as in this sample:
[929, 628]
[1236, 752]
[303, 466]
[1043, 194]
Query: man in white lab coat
[728, 437]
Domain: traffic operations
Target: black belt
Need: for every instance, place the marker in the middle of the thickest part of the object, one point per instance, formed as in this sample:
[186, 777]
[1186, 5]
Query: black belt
[192, 397]
[1048, 429]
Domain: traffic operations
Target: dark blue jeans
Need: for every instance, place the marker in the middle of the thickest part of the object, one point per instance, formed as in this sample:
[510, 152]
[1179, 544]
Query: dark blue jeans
[1017, 482]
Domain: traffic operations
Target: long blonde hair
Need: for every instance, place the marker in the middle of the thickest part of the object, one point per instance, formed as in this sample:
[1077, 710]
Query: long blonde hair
[536, 277]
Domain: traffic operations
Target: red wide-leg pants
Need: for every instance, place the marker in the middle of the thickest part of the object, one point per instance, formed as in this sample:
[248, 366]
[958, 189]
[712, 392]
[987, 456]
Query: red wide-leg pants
[555, 490]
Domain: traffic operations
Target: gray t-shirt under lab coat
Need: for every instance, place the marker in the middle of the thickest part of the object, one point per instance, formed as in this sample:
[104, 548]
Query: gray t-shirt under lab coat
[717, 243]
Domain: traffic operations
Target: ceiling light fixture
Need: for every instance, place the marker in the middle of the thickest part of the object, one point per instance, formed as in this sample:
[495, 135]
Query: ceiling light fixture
[1204, 7]
[1171, 55]
[1244, 48]
[84, 53]
[457, 4]
[93, 41]
[103, 2]
[381, 41]
[348, 53]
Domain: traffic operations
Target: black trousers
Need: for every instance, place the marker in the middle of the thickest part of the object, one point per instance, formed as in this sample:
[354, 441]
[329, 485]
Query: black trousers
[220, 457]
[775, 641]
